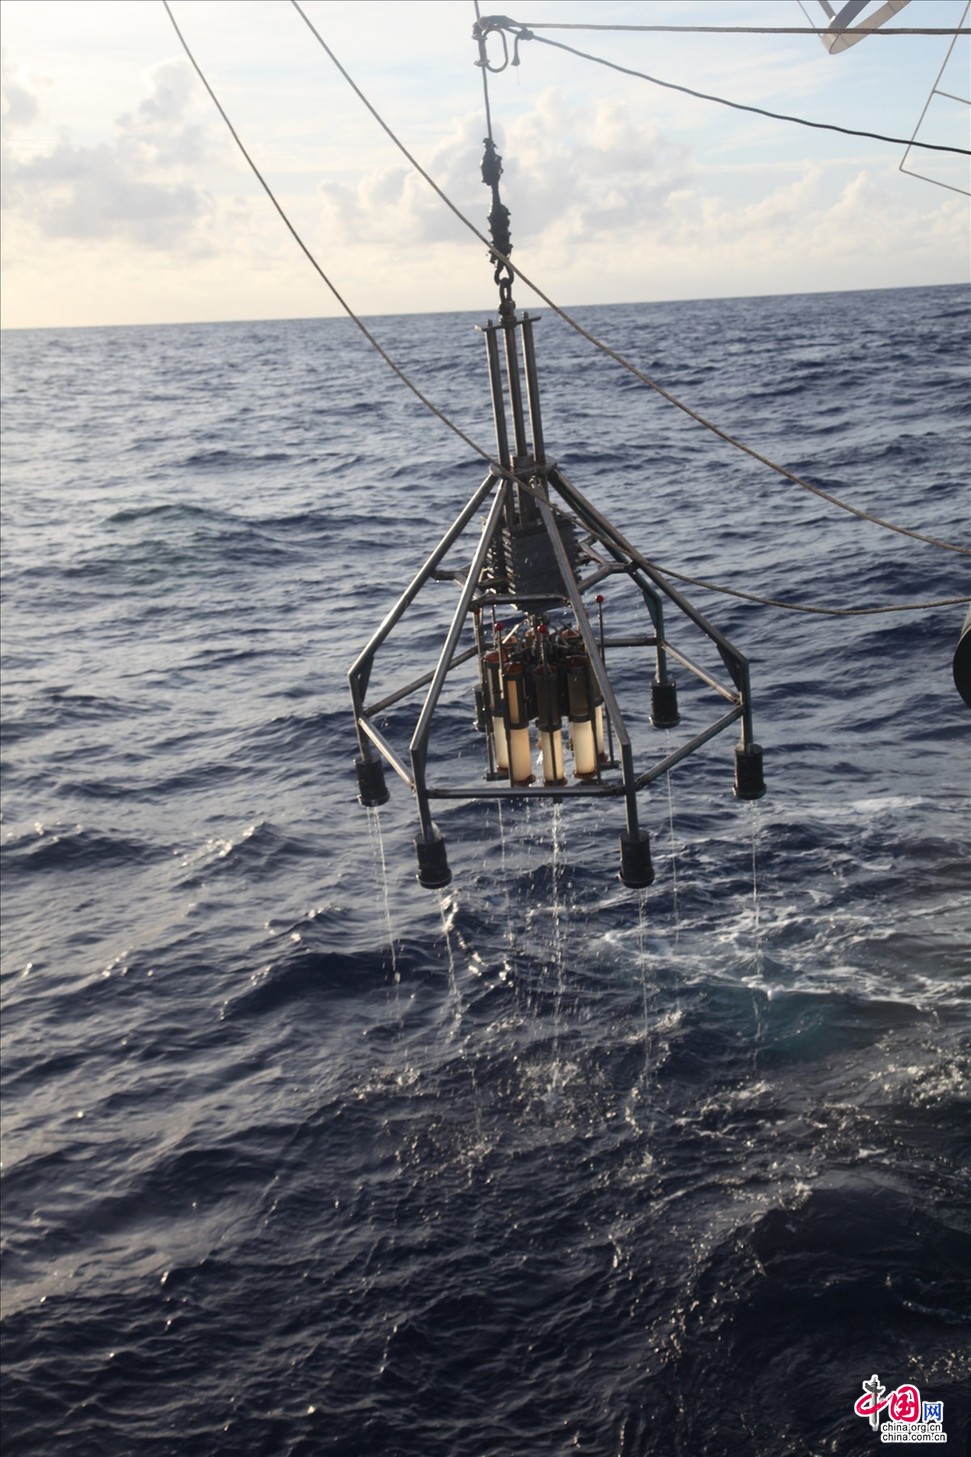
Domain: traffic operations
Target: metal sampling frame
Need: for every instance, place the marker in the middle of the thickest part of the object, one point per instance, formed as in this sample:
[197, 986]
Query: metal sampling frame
[542, 550]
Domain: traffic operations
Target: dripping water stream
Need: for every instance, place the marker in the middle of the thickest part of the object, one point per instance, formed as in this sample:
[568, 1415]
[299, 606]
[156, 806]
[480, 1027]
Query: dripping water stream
[756, 824]
[642, 965]
[675, 902]
[380, 869]
[638, 1103]
[556, 931]
[758, 991]
[468, 1052]
[504, 875]
[454, 996]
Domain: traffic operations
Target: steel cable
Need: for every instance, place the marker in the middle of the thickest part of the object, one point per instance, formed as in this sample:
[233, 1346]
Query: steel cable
[613, 353]
[477, 449]
[525, 33]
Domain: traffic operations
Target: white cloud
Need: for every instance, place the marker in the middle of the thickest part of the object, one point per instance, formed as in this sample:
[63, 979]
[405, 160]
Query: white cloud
[18, 102]
[133, 187]
[568, 171]
[127, 200]
[801, 235]
[392, 204]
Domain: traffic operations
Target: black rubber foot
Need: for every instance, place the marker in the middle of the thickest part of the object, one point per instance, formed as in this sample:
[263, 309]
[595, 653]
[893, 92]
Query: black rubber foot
[664, 704]
[433, 871]
[636, 869]
[372, 789]
[749, 783]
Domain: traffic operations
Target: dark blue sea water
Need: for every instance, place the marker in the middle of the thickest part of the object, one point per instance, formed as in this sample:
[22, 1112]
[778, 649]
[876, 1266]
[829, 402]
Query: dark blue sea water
[301, 1158]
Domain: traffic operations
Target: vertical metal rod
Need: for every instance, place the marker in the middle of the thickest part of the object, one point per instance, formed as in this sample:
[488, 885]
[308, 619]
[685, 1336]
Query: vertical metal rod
[652, 601]
[495, 387]
[484, 689]
[532, 391]
[745, 689]
[499, 414]
[610, 722]
[515, 387]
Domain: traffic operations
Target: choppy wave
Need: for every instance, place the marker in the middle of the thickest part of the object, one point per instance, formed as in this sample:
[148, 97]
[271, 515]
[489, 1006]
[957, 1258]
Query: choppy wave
[299, 1158]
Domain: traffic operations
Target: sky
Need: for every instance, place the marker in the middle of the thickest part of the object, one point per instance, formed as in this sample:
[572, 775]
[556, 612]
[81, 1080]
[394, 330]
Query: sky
[126, 201]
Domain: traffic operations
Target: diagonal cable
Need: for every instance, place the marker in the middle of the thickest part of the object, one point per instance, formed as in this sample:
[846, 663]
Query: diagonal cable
[477, 449]
[523, 32]
[500, 470]
[613, 353]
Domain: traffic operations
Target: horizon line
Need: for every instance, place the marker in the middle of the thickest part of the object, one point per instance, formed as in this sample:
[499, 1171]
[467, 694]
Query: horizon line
[421, 313]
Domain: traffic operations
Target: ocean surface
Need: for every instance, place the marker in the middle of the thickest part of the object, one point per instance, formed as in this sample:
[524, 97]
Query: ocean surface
[301, 1158]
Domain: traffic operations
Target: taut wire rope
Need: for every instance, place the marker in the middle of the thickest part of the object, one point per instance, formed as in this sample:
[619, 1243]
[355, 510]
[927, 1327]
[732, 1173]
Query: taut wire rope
[477, 449]
[523, 32]
[359, 323]
[860, 30]
[485, 81]
[613, 353]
